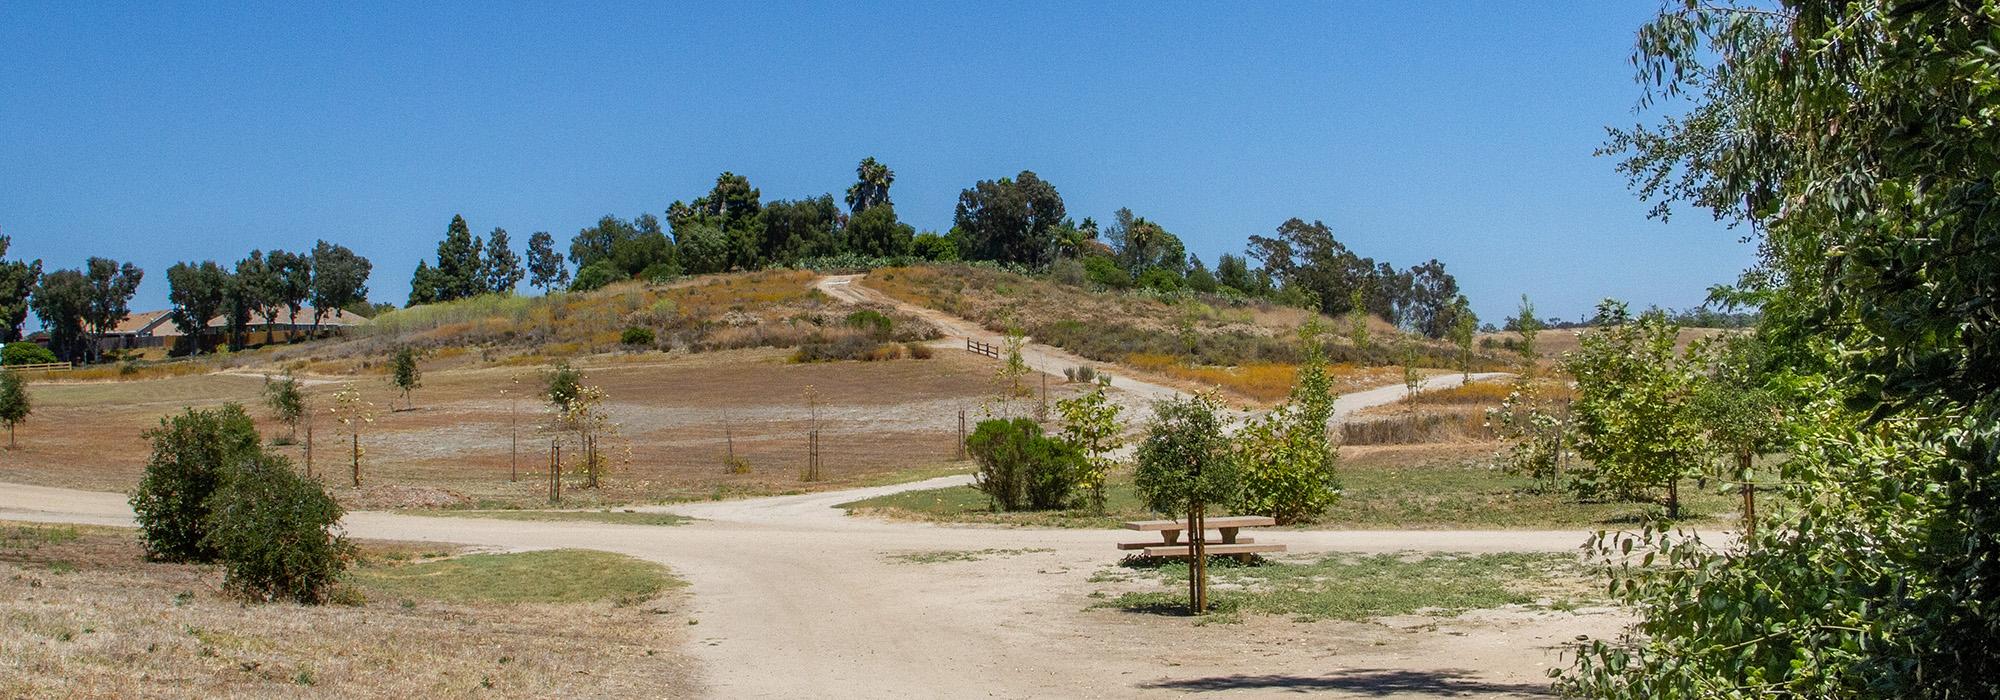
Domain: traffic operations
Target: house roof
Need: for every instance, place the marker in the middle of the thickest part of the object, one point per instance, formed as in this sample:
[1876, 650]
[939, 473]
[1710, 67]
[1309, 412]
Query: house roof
[159, 322]
[334, 318]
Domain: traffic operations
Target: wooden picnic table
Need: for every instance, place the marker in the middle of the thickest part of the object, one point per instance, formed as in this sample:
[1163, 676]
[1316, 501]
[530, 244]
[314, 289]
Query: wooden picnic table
[1170, 544]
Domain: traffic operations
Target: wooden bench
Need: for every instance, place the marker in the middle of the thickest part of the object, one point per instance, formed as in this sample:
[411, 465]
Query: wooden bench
[1170, 544]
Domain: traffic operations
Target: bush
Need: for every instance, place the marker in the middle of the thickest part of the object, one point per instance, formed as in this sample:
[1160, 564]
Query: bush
[918, 351]
[595, 276]
[636, 335]
[1105, 271]
[1159, 279]
[1020, 468]
[1081, 373]
[871, 321]
[844, 346]
[1069, 272]
[274, 532]
[191, 453]
[22, 353]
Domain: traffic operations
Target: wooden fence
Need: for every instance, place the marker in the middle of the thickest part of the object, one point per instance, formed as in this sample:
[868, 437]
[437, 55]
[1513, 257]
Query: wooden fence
[41, 367]
[987, 349]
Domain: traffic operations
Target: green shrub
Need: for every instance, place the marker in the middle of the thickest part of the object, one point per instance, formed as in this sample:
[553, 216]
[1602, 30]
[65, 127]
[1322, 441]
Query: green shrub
[273, 530]
[1186, 459]
[1105, 271]
[1069, 272]
[26, 354]
[1160, 279]
[595, 276]
[844, 346]
[1021, 469]
[636, 335]
[872, 322]
[1287, 458]
[191, 453]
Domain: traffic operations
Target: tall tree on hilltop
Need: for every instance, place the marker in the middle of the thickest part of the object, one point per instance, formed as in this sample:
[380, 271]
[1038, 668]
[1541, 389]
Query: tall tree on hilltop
[258, 289]
[17, 282]
[293, 275]
[62, 300]
[876, 232]
[1010, 220]
[340, 278]
[458, 265]
[545, 265]
[111, 288]
[799, 229]
[197, 292]
[871, 188]
[502, 267]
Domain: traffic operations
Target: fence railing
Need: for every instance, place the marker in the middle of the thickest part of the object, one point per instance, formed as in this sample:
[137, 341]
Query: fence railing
[987, 349]
[41, 367]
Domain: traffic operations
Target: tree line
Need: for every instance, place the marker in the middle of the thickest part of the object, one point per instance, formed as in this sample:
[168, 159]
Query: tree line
[1019, 220]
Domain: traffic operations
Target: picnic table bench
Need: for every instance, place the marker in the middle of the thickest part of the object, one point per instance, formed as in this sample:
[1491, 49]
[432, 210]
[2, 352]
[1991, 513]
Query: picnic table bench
[1170, 544]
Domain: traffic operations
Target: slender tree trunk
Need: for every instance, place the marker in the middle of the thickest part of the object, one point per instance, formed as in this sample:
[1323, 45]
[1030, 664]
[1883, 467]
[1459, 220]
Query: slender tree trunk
[1749, 495]
[1674, 499]
[357, 460]
[1198, 556]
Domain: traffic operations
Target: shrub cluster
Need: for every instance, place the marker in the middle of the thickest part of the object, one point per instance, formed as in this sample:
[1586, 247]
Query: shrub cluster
[210, 493]
[26, 354]
[1022, 469]
[636, 336]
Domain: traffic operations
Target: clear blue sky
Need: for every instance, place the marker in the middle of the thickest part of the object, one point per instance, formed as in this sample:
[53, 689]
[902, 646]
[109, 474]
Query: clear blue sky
[1462, 131]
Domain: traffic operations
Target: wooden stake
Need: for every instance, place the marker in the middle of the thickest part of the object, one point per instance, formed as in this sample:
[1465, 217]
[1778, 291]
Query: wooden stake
[357, 460]
[961, 434]
[309, 448]
[1749, 496]
[514, 423]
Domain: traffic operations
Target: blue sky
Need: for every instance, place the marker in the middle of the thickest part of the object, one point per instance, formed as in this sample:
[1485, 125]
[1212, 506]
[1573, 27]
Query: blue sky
[1462, 131]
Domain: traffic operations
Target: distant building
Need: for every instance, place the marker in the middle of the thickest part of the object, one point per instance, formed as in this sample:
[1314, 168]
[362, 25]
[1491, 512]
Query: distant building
[151, 329]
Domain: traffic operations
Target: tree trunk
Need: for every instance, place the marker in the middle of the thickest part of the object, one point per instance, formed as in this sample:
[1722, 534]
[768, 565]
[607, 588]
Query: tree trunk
[357, 460]
[1674, 499]
[1749, 495]
[1197, 528]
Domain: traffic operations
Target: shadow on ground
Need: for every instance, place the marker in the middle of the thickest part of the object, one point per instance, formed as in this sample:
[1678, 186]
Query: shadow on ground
[1376, 682]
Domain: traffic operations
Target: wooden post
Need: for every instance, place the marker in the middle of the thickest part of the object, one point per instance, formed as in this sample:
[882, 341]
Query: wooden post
[309, 448]
[1749, 496]
[357, 460]
[514, 424]
[555, 472]
[961, 434]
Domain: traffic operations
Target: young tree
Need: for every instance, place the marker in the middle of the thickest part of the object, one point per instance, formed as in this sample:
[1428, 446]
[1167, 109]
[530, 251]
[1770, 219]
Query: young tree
[1464, 328]
[293, 282]
[1357, 319]
[14, 403]
[287, 400]
[1090, 422]
[1185, 465]
[62, 300]
[501, 269]
[352, 413]
[17, 282]
[1638, 427]
[1744, 417]
[545, 265]
[111, 287]
[1288, 458]
[1525, 323]
[405, 374]
[197, 292]
[339, 278]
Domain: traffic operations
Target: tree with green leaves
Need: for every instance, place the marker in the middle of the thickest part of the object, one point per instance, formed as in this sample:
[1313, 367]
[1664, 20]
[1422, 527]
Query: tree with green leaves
[458, 269]
[405, 374]
[1743, 415]
[1638, 428]
[293, 281]
[1289, 463]
[792, 230]
[545, 266]
[1090, 422]
[15, 404]
[339, 278]
[111, 287]
[197, 292]
[17, 282]
[1856, 143]
[257, 290]
[287, 400]
[1010, 220]
[61, 301]
[876, 232]
[871, 186]
[192, 453]
[1525, 323]
[1186, 464]
[500, 270]
[276, 532]
[1464, 328]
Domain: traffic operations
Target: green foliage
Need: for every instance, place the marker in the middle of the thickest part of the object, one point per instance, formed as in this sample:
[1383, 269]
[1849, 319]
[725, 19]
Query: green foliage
[1186, 459]
[1525, 323]
[595, 276]
[273, 531]
[20, 353]
[1539, 433]
[339, 279]
[1875, 277]
[197, 293]
[933, 247]
[564, 384]
[1104, 270]
[637, 336]
[1022, 469]
[60, 300]
[1090, 422]
[546, 576]
[404, 372]
[874, 322]
[15, 404]
[1010, 220]
[17, 280]
[545, 266]
[286, 400]
[1637, 426]
[501, 269]
[1287, 457]
[191, 454]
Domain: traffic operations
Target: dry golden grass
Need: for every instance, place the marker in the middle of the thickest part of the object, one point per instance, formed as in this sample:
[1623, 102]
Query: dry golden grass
[1467, 394]
[86, 617]
[1417, 428]
[1262, 381]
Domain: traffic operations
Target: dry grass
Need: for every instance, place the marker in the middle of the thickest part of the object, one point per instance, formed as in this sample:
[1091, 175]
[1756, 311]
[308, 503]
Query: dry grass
[1467, 394]
[1417, 428]
[88, 618]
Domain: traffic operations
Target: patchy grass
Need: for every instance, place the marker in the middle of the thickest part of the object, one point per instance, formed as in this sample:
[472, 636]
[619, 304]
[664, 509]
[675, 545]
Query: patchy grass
[1400, 488]
[548, 576]
[1357, 587]
[940, 556]
[124, 627]
[614, 517]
